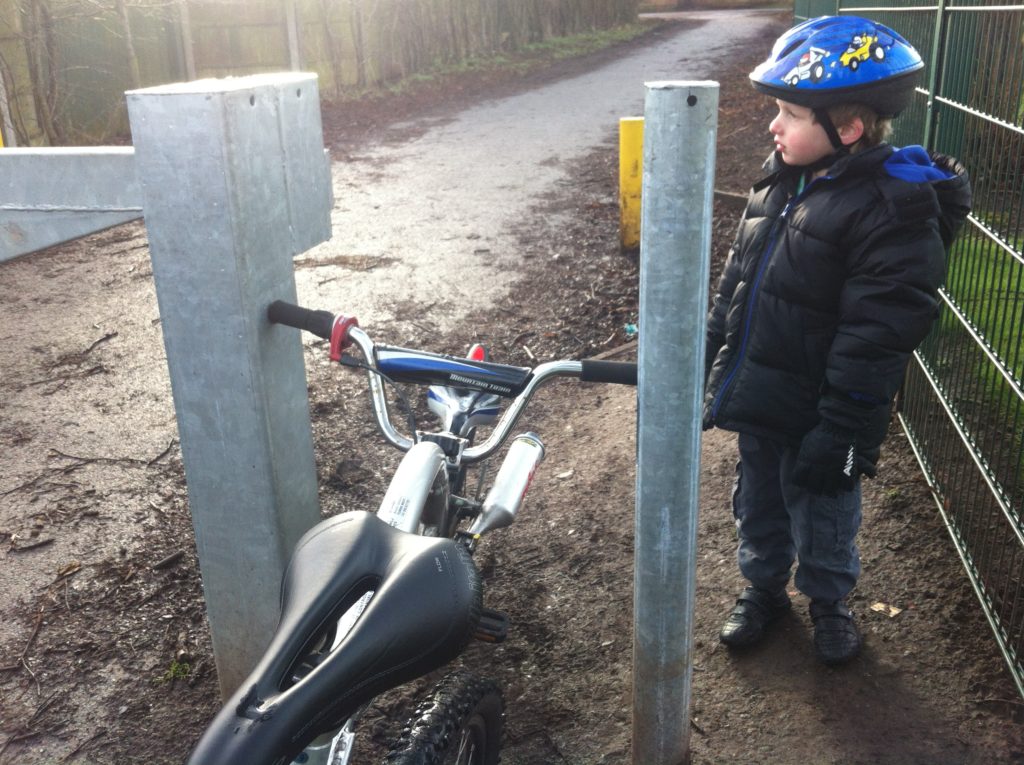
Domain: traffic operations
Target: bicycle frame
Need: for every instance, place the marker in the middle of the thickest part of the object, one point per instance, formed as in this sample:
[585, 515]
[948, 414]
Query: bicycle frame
[418, 493]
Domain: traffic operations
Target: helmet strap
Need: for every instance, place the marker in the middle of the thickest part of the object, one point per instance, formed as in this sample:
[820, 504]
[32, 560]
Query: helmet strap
[826, 161]
[821, 115]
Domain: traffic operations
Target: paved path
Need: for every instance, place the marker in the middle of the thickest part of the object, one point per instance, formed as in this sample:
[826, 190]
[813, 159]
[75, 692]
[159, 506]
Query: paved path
[457, 188]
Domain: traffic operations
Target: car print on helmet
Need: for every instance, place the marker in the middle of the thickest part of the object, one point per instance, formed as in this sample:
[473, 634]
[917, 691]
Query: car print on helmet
[809, 67]
[863, 48]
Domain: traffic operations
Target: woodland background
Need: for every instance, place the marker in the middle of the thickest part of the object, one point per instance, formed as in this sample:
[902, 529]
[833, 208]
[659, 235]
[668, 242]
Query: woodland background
[65, 64]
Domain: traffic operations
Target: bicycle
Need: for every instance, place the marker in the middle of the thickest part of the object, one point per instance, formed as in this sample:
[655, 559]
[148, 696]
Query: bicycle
[373, 600]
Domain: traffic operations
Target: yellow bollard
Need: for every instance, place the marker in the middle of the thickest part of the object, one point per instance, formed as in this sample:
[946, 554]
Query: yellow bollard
[631, 155]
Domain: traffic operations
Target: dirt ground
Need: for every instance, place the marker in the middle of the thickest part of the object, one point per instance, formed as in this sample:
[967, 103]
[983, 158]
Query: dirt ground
[108, 660]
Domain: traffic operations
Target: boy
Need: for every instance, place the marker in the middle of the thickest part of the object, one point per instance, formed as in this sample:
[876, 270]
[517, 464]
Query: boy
[830, 285]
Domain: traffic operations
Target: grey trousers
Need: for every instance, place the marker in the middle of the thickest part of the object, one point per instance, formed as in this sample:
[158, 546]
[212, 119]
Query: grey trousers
[779, 523]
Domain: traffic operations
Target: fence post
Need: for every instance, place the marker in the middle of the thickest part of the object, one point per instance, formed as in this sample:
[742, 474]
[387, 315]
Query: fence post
[934, 73]
[680, 124]
[234, 183]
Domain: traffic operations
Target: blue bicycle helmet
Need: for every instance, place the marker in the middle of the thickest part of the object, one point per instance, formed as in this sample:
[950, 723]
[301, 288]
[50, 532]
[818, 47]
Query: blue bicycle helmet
[841, 59]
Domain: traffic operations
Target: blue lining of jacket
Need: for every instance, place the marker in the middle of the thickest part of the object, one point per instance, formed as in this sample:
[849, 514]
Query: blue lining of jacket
[913, 164]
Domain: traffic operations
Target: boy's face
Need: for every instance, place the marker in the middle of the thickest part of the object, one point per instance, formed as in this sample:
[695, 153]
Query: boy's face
[799, 138]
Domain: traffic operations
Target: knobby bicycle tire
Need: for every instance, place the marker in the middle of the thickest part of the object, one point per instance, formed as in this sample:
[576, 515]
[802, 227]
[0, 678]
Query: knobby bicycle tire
[464, 714]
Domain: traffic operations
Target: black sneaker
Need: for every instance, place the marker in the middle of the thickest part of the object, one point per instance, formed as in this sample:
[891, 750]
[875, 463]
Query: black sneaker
[836, 639]
[755, 609]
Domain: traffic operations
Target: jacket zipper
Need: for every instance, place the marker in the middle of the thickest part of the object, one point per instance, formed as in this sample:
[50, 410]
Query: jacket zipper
[766, 256]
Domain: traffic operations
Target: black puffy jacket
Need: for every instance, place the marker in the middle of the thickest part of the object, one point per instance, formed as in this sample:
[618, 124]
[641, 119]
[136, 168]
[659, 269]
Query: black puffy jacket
[826, 293]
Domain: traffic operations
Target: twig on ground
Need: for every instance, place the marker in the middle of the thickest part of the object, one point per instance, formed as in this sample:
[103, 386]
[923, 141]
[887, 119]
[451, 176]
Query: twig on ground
[105, 338]
[32, 637]
[98, 369]
[31, 545]
[25, 732]
[98, 734]
[25, 485]
[162, 454]
[83, 460]
[629, 347]
[30, 483]
[39, 688]
[155, 593]
[169, 561]
[993, 700]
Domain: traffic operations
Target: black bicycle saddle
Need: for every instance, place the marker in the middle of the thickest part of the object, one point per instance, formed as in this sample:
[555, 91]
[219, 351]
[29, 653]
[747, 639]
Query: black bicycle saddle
[425, 607]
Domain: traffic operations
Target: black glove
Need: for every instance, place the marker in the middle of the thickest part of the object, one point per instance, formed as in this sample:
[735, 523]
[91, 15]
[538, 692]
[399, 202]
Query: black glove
[827, 462]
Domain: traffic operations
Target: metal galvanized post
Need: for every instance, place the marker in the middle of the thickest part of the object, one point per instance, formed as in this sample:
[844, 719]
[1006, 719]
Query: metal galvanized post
[39, 208]
[234, 183]
[680, 123]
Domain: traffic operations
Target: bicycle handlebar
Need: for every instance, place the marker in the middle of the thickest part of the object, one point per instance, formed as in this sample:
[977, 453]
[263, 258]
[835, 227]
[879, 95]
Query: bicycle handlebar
[318, 323]
[618, 372]
[325, 325]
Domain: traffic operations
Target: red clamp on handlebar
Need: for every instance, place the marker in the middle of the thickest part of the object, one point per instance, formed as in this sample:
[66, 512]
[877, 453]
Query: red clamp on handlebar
[339, 334]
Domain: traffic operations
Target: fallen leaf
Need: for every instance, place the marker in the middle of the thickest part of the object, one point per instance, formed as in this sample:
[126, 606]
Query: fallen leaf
[885, 608]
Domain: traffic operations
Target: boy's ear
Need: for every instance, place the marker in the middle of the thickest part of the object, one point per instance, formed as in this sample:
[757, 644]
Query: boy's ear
[852, 131]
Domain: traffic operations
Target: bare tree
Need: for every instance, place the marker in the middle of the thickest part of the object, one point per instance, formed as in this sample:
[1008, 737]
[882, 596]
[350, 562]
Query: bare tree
[387, 39]
[43, 64]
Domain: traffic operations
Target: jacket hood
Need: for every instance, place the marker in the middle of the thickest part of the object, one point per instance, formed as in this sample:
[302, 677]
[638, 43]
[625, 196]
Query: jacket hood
[954, 195]
[913, 164]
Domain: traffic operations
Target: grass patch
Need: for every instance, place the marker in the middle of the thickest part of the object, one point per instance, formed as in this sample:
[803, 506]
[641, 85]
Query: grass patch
[179, 670]
[988, 285]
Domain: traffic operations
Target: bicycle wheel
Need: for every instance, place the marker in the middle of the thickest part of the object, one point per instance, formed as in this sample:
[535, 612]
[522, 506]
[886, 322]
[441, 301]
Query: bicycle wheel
[460, 724]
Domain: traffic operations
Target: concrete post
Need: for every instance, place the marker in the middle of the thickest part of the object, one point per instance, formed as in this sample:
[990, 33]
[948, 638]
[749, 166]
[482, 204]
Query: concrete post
[680, 123]
[234, 183]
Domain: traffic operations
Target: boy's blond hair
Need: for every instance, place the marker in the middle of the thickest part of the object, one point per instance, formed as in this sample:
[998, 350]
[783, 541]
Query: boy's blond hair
[876, 129]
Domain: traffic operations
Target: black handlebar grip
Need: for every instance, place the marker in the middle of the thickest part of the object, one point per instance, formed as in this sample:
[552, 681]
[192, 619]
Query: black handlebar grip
[319, 323]
[620, 372]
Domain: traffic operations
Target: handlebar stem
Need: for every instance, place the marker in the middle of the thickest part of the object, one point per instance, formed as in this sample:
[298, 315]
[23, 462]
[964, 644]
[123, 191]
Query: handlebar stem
[542, 374]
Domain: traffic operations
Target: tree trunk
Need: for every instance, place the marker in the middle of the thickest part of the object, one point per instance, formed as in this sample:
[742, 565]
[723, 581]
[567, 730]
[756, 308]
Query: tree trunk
[129, 46]
[358, 42]
[333, 52]
[10, 140]
[42, 68]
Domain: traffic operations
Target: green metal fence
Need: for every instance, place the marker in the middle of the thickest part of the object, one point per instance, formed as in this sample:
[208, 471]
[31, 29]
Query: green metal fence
[962, 406]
